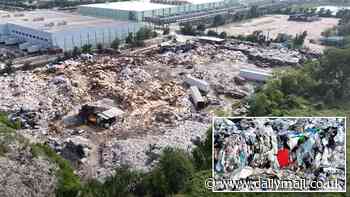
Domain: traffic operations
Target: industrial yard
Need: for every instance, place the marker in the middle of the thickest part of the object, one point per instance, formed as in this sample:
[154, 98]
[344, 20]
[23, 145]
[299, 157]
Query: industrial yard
[151, 91]
[275, 24]
[109, 85]
[121, 107]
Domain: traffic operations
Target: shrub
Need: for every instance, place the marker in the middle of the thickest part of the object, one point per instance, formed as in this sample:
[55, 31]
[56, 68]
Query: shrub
[6, 125]
[201, 27]
[171, 174]
[212, 33]
[166, 31]
[68, 183]
[218, 20]
[86, 48]
[115, 44]
[187, 29]
[202, 154]
[223, 35]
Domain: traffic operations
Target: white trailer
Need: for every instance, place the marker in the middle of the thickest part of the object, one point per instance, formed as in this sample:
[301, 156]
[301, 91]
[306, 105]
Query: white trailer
[255, 74]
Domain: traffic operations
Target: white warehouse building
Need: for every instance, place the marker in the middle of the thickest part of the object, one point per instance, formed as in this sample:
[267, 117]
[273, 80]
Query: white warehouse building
[137, 10]
[126, 10]
[46, 29]
[93, 24]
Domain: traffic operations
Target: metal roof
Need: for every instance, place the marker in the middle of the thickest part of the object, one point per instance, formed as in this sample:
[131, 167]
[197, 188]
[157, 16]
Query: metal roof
[72, 21]
[203, 1]
[111, 113]
[256, 71]
[130, 6]
[211, 38]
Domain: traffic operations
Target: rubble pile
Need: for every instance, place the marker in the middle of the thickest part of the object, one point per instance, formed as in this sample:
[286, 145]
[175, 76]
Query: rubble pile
[149, 89]
[27, 119]
[24, 175]
[268, 56]
[203, 54]
[74, 149]
[135, 151]
[280, 148]
[220, 77]
[47, 97]
[145, 96]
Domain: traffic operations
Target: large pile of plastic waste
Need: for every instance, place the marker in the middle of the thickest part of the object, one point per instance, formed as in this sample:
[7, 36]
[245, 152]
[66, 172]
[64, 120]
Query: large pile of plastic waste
[310, 149]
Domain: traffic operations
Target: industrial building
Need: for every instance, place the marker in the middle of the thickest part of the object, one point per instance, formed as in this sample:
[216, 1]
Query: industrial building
[127, 10]
[46, 29]
[94, 23]
[139, 10]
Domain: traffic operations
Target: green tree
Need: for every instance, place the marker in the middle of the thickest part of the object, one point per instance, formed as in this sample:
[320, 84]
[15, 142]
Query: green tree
[116, 43]
[299, 40]
[171, 174]
[321, 12]
[201, 27]
[328, 13]
[76, 51]
[344, 29]
[253, 12]
[212, 33]
[218, 20]
[223, 35]
[121, 184]
[187, 29]
[142, 34]
[260, 104]
[68, 183]
[166, 31]
[335, 72]
[202, 154]
[8, 66]
[313, 10]
[99, 47]
[87, 48]
[130, 38]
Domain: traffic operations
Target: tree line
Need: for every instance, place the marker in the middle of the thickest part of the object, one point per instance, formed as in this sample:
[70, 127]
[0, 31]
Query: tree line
[319, 83]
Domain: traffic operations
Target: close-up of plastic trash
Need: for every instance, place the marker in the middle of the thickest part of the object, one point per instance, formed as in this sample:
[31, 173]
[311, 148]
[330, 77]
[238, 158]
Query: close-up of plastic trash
[254, 151]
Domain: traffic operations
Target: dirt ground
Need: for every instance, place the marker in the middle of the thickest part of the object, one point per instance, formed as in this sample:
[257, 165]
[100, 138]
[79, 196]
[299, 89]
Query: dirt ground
[275, 24]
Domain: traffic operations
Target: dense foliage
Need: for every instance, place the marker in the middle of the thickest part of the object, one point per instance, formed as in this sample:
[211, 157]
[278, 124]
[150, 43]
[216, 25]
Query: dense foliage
[342, 29]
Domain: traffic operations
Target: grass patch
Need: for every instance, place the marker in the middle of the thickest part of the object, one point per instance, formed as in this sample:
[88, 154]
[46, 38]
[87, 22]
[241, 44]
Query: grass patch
[68, 183]
[7, 133]
[6, 125]
[3, 149]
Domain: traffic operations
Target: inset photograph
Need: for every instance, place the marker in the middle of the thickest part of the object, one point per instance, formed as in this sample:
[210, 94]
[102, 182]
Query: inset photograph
[279, 154]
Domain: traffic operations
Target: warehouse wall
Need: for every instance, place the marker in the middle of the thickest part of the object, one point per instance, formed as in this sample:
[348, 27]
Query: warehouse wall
[138, 16]
[30, 35]
[104, 13]
[200, 7]
[67, 40]
[3, 29]
[232, 2]
[125, 15]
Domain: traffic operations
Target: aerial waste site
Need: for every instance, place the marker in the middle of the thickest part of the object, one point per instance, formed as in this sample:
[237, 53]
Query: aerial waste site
[159, 97]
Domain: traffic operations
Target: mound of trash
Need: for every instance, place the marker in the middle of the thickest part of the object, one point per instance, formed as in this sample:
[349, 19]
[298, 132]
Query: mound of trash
[310, 149]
